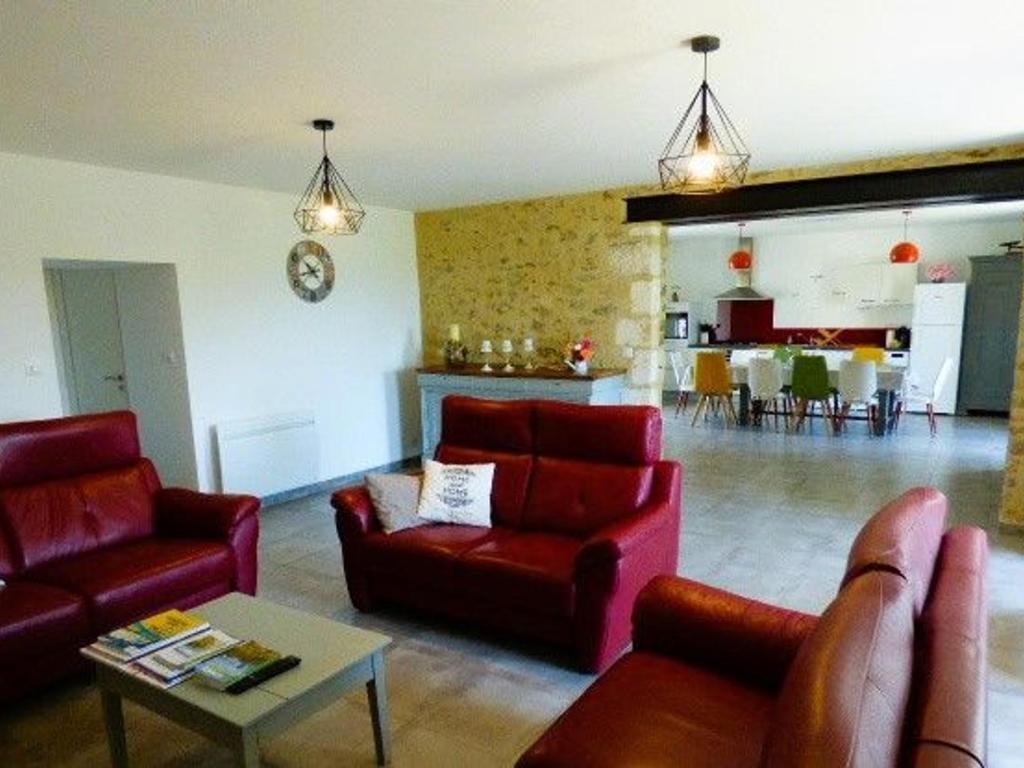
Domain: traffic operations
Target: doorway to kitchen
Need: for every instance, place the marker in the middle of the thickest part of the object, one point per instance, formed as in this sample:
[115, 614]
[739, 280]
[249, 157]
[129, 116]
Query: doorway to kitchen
[118, 338]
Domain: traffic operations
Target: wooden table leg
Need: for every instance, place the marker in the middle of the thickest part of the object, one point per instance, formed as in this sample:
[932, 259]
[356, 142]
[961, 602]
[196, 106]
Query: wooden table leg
[248, 753]
[744, 418]
[377, 693]
[882, 422]
[113, 717]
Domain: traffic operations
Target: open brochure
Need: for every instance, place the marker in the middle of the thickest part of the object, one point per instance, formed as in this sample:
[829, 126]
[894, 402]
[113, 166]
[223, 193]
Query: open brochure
[179, 659]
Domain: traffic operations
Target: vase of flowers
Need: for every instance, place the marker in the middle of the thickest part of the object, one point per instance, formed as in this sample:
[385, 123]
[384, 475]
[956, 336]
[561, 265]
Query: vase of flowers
[578, 355]
[940, 273]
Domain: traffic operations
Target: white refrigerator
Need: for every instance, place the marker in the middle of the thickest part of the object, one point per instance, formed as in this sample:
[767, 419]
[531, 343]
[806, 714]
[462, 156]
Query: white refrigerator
[937, 333]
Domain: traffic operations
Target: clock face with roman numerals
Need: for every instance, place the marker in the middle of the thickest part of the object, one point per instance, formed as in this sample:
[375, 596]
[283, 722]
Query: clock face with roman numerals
[310, 271]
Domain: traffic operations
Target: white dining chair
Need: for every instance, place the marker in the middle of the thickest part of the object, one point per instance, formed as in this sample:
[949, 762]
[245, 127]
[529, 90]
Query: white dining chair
[858, 385]
[684, 380]
[764, 379]
[743, 356]
[916, 396]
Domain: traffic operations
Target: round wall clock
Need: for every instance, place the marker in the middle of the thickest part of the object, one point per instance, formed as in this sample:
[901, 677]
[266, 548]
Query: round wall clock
[310, 271]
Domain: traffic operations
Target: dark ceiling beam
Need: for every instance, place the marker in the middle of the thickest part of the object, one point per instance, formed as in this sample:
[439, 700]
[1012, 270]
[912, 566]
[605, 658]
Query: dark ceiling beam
[939, 185]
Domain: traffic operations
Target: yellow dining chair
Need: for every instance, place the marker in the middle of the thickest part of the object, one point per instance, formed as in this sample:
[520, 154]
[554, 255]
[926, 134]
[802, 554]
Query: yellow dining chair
[714, 385]
[874, 355]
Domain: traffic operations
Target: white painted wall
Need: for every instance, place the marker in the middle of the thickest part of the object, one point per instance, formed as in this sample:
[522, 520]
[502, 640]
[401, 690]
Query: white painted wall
[783, 262]
[252, 348]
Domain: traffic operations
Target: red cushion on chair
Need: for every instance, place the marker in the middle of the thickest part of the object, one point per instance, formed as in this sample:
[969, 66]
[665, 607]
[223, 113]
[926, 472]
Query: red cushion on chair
[425, 554]
[609, 434]
[651, 711]
[578, 497]
[37, 451]
[63, 518]
[511, 479]
[492, 425]
[123, 583]
[36, 619]
[527, 570]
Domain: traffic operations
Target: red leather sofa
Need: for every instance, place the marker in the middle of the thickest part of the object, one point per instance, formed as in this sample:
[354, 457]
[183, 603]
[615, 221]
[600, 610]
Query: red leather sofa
[89, 541]
[584, 514]
[893, 673]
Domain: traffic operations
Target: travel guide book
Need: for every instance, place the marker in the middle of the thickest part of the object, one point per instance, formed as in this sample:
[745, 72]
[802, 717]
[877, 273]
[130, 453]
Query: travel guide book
[178, 660]
[143, 637]
[235, 664]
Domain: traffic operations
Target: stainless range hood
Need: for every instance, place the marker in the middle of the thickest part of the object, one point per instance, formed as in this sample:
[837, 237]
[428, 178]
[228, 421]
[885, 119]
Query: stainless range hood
[742, 291]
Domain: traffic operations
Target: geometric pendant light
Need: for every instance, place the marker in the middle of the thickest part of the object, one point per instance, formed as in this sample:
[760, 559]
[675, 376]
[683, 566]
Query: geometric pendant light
[328, 206]
[705, 153]
[905, 252]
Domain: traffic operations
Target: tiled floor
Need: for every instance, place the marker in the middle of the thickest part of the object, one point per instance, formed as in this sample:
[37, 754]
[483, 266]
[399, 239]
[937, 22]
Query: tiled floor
[767, 515]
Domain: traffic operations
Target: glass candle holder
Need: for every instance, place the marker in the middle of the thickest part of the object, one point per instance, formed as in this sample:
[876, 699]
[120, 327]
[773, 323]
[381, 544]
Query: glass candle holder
[486, 349]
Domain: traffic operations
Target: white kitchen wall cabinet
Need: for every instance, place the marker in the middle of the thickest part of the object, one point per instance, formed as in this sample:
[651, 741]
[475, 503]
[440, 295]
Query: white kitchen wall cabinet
[867, 286]
[897, 283]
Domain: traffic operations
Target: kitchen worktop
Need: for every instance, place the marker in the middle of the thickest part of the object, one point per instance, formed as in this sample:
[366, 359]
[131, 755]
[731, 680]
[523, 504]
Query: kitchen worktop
[742, 345]
[521, 373]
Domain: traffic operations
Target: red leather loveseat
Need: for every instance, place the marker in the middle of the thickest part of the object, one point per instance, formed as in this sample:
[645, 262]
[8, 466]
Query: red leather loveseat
[584, 514]
[893, 673]
[89, 541]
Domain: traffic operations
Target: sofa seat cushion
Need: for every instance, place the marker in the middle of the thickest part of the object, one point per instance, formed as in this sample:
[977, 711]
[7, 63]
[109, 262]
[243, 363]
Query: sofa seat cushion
[36, 619]
[126, 582]
[690, 717]
[425, 555]
[528, 570]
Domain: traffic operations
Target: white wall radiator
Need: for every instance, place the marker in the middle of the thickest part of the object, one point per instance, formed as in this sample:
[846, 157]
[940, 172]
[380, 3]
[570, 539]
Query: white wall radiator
[268, 455]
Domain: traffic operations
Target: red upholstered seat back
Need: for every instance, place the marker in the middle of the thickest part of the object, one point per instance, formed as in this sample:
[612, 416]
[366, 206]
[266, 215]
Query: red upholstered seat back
[949, 700]
[71, 485]
[903, 537]
[844, 699]
[476, 431]
[594, 465]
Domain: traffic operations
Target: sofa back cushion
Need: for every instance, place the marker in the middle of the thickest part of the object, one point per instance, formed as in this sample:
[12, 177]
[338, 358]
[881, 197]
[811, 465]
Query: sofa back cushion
[51, 520]
[604, 434]
[844, 699]
[39, 451]
[579, 497]
[10, 563]
[511, 479]
[503, 426]
[948, 703]
[902, 537]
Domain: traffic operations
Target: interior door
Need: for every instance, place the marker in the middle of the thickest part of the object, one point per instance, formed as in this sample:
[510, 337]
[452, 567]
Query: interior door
[96, 375]
[993, 309]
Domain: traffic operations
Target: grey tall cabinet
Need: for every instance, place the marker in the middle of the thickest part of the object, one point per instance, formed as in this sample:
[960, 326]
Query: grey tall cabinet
[990, 333]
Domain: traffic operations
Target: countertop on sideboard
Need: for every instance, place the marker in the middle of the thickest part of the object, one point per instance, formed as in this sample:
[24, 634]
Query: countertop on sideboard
[837, 348]
[521, 373]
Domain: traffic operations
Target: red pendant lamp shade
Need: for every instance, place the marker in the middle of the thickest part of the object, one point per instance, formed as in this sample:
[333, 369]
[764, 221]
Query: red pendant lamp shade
[741, 260]
[905, 252]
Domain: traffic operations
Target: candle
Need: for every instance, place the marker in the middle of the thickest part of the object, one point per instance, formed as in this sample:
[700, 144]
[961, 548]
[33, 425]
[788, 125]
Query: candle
[454, 334]
[485, 346]
[527, 345]
[506, 346]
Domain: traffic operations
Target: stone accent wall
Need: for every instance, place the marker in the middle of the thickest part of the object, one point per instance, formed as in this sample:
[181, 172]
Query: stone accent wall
[553, 269]
[1012, 512]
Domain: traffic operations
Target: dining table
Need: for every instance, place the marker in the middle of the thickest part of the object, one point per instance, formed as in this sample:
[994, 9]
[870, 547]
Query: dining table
[890, 383]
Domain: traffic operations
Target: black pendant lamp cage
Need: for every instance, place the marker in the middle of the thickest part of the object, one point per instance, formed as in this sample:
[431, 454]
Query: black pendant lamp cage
[705, 153]
[328, 206]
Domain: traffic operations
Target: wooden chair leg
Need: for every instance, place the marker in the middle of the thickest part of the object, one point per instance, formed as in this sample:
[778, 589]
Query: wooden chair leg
[701, 405]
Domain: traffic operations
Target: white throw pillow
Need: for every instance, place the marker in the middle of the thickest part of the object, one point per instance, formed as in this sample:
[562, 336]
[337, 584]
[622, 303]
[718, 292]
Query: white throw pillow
[457, 493]
[395, 499]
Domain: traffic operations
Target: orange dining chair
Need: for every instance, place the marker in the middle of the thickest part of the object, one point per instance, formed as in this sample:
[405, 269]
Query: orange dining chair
[714, 385]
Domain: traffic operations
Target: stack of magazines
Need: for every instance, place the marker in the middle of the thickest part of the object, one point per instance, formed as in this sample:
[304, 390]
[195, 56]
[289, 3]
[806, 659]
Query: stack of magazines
[173, 646]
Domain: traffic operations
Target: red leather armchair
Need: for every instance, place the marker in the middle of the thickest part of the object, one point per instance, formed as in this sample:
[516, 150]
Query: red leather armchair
[90, 541]
[892, 673]
[584, 514]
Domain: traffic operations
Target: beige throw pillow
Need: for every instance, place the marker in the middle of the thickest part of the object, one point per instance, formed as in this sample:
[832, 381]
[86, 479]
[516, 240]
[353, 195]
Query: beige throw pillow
[395, 498]
[457, 493]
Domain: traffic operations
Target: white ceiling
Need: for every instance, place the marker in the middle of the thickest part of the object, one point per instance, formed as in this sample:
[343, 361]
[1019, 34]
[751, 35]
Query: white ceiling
[445, 102]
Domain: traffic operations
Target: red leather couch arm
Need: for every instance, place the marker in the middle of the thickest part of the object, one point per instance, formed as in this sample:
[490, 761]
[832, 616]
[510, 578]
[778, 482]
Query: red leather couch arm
[354, 511]
[618, 540]
[233, 519]
[744, 639]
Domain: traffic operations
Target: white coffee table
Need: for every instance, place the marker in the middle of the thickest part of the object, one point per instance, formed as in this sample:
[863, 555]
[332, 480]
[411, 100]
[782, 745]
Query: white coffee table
[335, 658]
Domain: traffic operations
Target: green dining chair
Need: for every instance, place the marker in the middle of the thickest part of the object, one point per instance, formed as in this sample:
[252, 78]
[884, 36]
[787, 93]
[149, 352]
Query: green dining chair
[810, 387]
